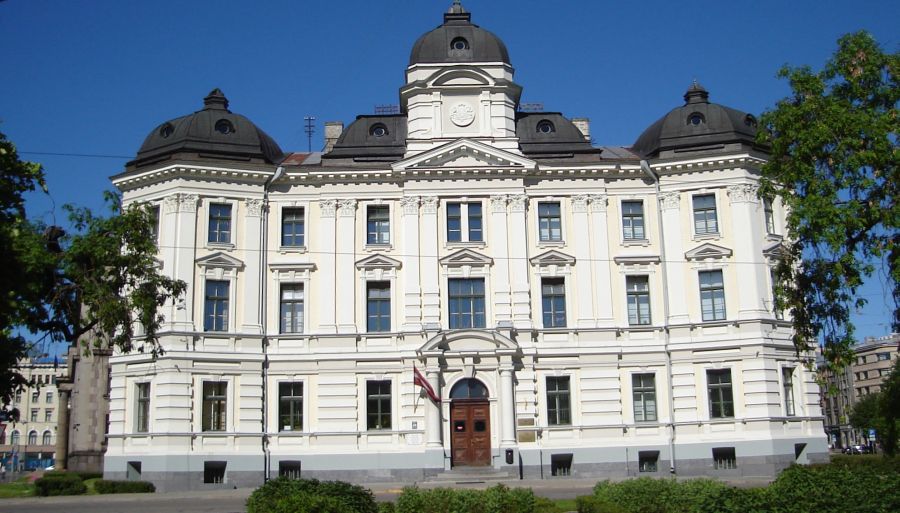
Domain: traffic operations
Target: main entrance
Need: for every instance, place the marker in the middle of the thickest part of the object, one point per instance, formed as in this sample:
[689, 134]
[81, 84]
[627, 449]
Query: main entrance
[470, 424]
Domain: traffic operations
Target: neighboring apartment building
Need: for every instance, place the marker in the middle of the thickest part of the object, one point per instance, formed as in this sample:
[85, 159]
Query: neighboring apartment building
[581, 310]
[29, 443]
[873, 361]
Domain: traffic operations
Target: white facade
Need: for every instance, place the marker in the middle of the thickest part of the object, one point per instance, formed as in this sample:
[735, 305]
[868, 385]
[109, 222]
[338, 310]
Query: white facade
[244, 389]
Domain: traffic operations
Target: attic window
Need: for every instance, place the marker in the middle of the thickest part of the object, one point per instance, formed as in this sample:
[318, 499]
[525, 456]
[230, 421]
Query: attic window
[696, 119]
[378, 130]
[750, 120]
[459, 44]
[223, 126]
[545, 127]
[166, 130]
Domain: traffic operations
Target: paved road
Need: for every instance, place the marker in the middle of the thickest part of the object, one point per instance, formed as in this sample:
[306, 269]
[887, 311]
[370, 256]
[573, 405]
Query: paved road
[232, 501]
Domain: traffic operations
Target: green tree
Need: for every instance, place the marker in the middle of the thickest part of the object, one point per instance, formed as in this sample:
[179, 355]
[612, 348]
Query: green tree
[890, 411]
[834, 155]
[99, 285]
[866, 413]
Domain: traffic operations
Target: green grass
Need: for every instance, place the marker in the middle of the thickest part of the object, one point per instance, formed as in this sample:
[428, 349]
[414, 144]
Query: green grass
[566, 504]
[90, 485]
[20, 488]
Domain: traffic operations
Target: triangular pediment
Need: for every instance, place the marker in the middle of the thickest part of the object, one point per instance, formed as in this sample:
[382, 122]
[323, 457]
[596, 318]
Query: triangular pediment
[552, 257]
[466, 257]
[464, 153]
[220, 260]
[775, 251]
[707, 250]
[378, 262]
[469, 341]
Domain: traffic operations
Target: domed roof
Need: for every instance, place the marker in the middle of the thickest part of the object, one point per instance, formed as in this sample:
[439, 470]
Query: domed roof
[698, 125]
[211, 133]
[458, 40]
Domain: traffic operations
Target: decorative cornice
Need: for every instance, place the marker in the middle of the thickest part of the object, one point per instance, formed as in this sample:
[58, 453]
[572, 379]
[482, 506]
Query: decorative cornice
[327, 207]
[743, 193]
[670, 200]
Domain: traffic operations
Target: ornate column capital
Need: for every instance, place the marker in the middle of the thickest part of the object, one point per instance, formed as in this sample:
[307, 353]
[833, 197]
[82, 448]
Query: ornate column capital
[347, 207]
[410, 205]
[743, 193]
[670, 200]
[170, 203]
[254, 207]
[597, 202]
[580, 203]
[498, 203]
[517, 202]
[429, 204]
[327, 207]
[188, 203]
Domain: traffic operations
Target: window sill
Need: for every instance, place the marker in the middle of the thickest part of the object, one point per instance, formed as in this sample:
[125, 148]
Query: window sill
[707, 236]
[466, 244]
[636, 242]
[551, 243]
[774, 237]
[377, 247]
[220, 246]
[291, 249]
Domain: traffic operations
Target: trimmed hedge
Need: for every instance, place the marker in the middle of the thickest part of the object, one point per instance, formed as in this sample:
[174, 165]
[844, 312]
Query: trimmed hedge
[104, 486]
[63, 484]
[83, 475]
[310, 495]
[497, 499]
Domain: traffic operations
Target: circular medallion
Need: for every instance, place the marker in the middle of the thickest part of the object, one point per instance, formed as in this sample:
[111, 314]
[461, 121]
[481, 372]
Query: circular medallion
[462, 114]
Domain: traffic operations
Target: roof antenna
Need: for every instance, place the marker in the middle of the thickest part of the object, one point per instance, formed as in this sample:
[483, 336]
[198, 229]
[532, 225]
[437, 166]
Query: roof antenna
[310, 129]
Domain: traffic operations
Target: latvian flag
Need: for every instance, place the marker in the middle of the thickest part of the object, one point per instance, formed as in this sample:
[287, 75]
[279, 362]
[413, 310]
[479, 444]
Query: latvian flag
[419, 380]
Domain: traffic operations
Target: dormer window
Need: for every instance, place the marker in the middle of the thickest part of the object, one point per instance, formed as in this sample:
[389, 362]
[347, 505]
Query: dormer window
[545, 127]
[223, 126]
[750, 120]
[378, 130]
[696, 119]
[166, 130]
[459, 43]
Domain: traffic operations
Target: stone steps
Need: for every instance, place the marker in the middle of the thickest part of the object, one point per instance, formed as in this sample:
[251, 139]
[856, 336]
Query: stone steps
[469, 475]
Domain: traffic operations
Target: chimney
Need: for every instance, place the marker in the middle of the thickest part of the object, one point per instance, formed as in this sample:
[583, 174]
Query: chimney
[584, 125]
[333, 130]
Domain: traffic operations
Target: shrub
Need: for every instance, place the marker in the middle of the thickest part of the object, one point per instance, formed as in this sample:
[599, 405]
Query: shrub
[835, 487]
[104, 486]
[83, 475]
[497, 499]
[545, 505]
[594, 504]
[309, 503]
[63, 484]
[387, 507]
[352, 498]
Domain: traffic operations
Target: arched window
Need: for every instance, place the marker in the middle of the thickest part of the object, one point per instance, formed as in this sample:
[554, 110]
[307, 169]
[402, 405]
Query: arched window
[545, 127]
[459, 43]
[14, 439]
[469, 389]
[378, 130]
[32, 438]
[45, 440]
[696, 119]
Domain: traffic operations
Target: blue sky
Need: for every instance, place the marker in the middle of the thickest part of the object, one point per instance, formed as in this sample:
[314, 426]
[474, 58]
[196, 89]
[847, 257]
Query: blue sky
[94, 77]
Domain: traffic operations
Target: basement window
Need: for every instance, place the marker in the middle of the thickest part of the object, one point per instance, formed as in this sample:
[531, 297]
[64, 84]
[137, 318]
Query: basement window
[724, 458]
[289, 469]
[648, 461]
[561, 465]
[214, 471]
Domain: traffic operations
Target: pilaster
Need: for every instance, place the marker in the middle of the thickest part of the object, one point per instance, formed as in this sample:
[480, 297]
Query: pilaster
[325, 291]
[672, 232]
[519, 271]
[345, 251]
[748, 229]
[252, 246]
[431, 292]
[412, 288]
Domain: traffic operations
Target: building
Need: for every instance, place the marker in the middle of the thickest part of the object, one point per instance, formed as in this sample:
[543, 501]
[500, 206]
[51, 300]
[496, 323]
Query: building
[580, 310]
[873, 360]
[84, 388]
[29, 443]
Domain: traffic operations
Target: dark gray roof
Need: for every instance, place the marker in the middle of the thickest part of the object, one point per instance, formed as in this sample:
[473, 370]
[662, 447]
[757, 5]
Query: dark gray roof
[211, 133]
[718, 125]
[563, 140]
[363, 141]
[437, 46]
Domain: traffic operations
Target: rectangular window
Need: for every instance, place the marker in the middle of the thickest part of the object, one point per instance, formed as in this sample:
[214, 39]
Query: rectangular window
[214, 471]
[883, 357]
[770, 216]
[34, 415]
[464, 222]
[142, 408]
[553, 302]
[638, 298]
[777, 311]
[558, 404]
[19, 397]
[466, 305]
[35, 397]
[549, 221]
[48, 415]
[154, 223]
[290, 406]
[49, 398]
[633, 220]
[724, 458]
[648, 461]
[215, 317]
[721, 402]
[292, 227]
[787, 381]
[643, 389]
[712, 295]
[378, 306]
[378, 224]
[133, 471]
[561, 465]
[378, 404]
[705, 221]
[291, 308]
[289, 469]
[215, 403]
[219, 223]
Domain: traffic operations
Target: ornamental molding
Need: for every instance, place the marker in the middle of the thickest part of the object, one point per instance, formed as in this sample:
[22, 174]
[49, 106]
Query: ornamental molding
[254, 207]
[708, 251]
[580, 203]
[498, 203]
[188, 203]
[327, 208]
[170, 203]
[462, 114]
[669, 200]
[743, 193]
[597, 202]
[410, 204]
[517, 202]
[429, 204]
[347, 207]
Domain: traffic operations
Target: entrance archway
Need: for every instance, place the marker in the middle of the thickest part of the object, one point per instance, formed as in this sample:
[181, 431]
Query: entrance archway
[470, 424]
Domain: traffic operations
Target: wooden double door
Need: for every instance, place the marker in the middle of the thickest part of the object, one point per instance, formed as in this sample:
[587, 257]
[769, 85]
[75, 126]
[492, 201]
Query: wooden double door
[470, 433]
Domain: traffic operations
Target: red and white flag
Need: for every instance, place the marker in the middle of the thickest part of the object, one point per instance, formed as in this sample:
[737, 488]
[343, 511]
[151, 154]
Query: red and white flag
[419, 379]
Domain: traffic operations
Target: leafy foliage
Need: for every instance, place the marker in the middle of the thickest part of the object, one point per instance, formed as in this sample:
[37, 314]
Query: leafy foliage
[104, 486]
[315, 495]
[834, 155]
[865, 413]
[63, 484]
[880, 411]
[497, 499]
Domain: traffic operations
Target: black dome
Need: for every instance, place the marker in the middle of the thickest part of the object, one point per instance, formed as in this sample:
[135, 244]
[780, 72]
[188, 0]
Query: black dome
[214, 132]
[698, 125]
[458, 40]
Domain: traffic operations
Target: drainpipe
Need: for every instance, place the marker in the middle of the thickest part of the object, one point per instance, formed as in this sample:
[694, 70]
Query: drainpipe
[645, 167]
[263, 312]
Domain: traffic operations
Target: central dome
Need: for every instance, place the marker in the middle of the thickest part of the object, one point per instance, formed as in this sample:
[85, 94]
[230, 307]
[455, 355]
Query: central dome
[458, 40]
